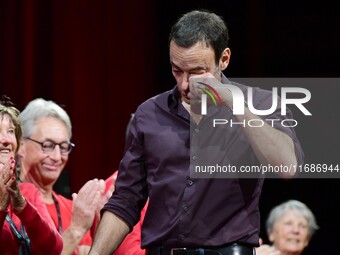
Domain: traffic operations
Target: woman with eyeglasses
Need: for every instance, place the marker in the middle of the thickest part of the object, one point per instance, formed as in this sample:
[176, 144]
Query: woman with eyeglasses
[25, 224]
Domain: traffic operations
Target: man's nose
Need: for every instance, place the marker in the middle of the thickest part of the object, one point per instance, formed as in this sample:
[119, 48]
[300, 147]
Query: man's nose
[185, 82]
[55, 153]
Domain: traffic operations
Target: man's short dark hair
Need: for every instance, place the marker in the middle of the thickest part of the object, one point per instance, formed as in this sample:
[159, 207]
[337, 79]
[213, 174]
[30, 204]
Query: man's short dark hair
[201, 26]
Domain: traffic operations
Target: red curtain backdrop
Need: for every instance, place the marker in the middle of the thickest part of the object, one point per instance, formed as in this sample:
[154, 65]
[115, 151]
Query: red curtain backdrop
[93, 57]
[101, 59]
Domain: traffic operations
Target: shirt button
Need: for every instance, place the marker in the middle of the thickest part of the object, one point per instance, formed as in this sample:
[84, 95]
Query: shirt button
[190, 182]
[194, 157]
[197, 130]
[185, 208]
[181, 237]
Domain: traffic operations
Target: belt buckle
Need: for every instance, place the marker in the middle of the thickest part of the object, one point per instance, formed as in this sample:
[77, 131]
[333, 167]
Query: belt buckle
[176, 249]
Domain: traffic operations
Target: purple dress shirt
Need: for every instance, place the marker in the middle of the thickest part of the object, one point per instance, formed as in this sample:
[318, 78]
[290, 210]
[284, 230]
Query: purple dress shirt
[184, 211]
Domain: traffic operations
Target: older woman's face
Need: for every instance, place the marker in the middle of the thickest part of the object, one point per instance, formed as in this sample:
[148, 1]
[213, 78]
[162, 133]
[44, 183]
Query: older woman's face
[8, 141]
[290, 233]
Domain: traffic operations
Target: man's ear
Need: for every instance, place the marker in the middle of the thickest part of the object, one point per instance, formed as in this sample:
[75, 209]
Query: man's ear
[225, 59]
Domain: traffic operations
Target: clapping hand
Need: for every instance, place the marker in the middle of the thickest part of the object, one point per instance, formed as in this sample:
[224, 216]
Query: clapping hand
[9, 188]
[85, 205]
[265, 249]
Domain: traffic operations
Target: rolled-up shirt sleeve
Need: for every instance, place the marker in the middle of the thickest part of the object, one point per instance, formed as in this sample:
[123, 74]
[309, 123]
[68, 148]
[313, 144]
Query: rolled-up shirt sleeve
[131, 189]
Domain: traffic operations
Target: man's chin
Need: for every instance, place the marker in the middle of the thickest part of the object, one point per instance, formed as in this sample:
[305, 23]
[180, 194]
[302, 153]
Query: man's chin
[186, 100]
[195, 106]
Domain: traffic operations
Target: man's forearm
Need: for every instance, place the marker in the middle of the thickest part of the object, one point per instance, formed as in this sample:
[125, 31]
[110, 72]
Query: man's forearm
[110, 233]
[270, 145]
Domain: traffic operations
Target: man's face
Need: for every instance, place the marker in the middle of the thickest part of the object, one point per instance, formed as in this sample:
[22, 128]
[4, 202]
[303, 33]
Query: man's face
[44, 168]
[290, 233]
[185, 62]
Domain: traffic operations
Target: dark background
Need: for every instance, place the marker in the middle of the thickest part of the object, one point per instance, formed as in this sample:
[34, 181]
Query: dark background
[101, 59]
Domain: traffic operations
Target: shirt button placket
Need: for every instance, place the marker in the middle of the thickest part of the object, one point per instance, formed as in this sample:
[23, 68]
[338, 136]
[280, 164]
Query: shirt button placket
[185, 208]
[190, 182]
[181, 237]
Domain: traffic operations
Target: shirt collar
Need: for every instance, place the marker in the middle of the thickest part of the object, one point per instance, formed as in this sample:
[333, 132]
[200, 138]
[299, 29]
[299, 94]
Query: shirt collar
[174, 98]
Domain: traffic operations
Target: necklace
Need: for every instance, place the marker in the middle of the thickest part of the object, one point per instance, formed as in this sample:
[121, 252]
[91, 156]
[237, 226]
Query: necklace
[60, 224]
[24, 240]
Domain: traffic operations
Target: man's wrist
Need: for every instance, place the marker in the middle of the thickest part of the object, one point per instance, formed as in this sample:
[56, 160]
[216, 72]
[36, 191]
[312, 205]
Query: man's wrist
[77, 232]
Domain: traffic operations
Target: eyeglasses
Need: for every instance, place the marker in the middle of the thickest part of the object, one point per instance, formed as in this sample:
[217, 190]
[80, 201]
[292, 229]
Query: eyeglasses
[48, 146]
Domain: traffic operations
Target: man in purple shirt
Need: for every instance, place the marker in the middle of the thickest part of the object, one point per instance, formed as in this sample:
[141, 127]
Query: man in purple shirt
[188, 215]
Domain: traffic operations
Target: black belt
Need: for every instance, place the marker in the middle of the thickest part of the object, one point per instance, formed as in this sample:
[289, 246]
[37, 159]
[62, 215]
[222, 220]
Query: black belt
[233, 249]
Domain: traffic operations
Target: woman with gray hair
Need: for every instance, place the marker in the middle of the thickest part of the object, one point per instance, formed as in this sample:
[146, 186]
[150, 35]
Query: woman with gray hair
[290, 227]
[43, 154]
